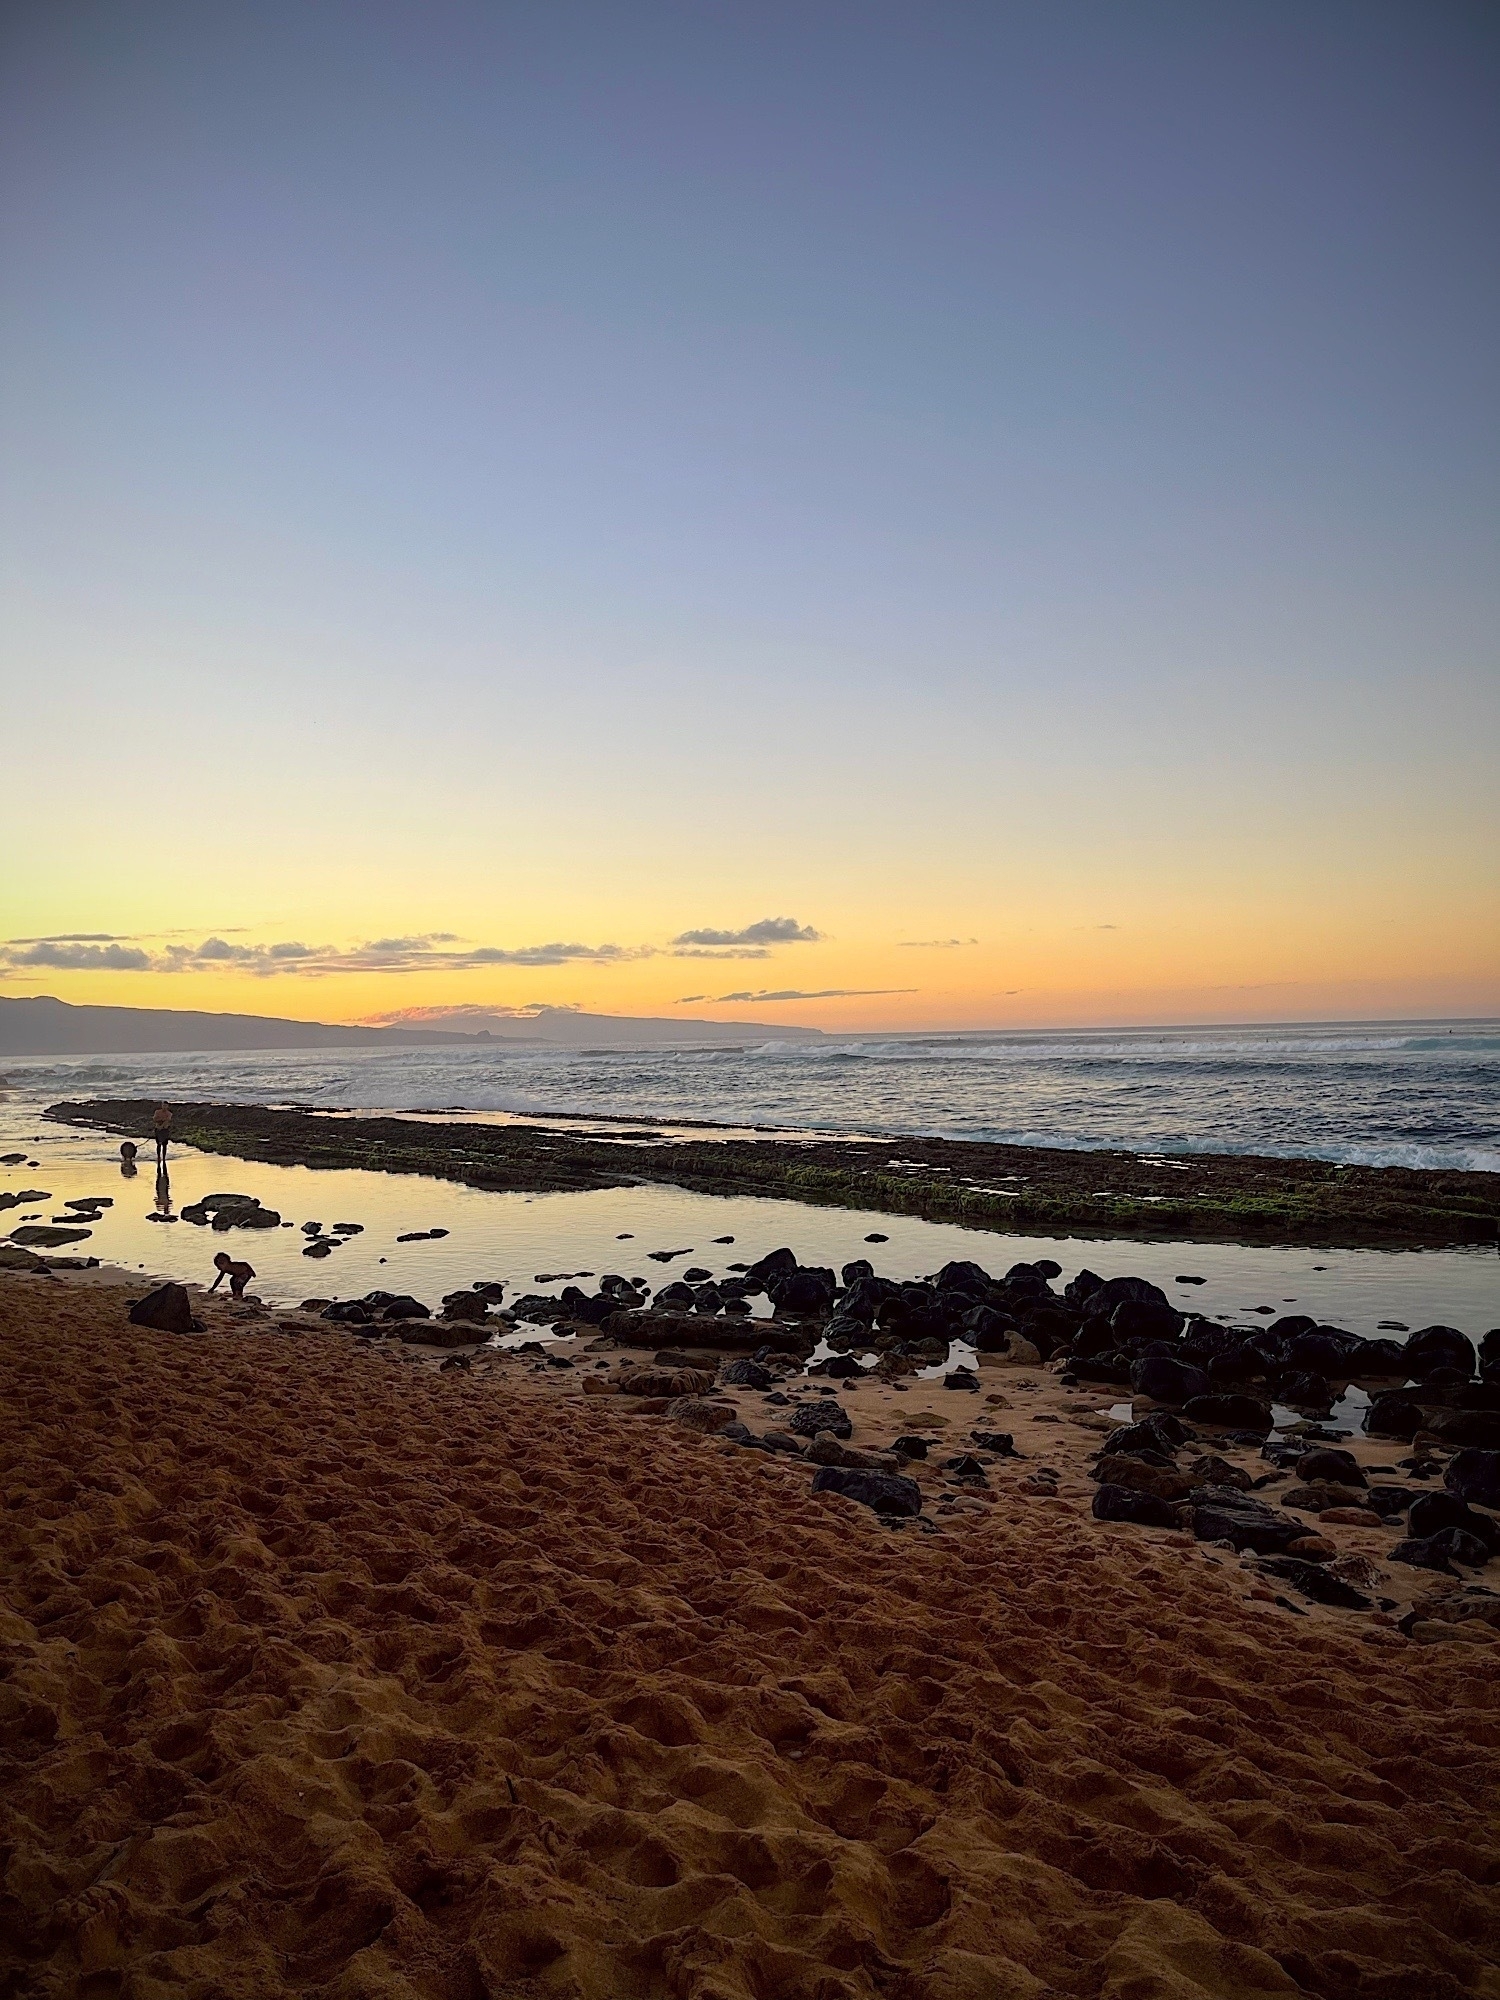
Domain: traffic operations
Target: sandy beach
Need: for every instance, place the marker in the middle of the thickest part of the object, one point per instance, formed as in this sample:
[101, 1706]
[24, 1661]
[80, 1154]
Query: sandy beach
[330, 1670]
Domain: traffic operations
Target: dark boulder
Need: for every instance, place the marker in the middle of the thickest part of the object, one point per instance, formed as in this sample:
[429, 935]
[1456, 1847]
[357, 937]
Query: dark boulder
[349, 1312]
[775, 1264]
[1439, 1551]
[826, 1414]
[168, 1310]
[857, 1268]
[1389, 1501]
[1160, 1432]
[1474, 1430]
[1431, 1513]
[910, 1447]
[964, 1277]
[1000, 1442]
[1304, 1390]
[1048, 1329]
[1326, 1462]
[987, 1330]
[1433, 1347]
[864, 1298]
[403, 1306]
[1379, 1357]
[965, 1466]
[470, 1306]
[1144, 1319]
[1164, 1381]
[1475, 1476]
[1314, 1582]
[1094, 1337]
[1128, 1503]
[1113, 1292]
[1111, 1369]
[1235, 1368]
[1224, 1514]
[802, 1294]
[1442, 1388]
[1321, 1352]
[1230, 1413]
[744, 1374]
[1393, 1416]
[1290, 1325]
[886, 1492]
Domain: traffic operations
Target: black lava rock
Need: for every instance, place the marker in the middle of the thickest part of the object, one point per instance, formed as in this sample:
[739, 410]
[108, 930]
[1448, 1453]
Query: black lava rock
[1231, 1413]
[1125, 1503]
[168, 1310]
[1175, 1382]
[827, 1414]
[1393, 1416]
[1001, 1443]
[1326, 1462]
[1433, 1347]
[745, 1375]
[885, 1492]
[1315, 1583]
[1475, 1476]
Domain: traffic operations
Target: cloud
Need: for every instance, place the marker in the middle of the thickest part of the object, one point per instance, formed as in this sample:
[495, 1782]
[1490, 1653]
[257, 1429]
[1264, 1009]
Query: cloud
[68, 955]
[934, 944]
[788, 993]
[698, 951]
[426, 951]
[769, 930]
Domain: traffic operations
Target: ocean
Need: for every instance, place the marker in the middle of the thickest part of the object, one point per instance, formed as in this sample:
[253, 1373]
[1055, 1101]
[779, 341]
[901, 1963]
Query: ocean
[1412, 1094]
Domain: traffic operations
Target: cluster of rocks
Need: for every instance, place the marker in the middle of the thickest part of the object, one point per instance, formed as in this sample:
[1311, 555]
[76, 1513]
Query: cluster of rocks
[1141, 1480]
[1129, 1336]
[230, 1211]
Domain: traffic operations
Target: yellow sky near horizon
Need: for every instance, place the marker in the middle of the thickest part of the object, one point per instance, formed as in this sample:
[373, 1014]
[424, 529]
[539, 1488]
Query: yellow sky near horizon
[1244, 956]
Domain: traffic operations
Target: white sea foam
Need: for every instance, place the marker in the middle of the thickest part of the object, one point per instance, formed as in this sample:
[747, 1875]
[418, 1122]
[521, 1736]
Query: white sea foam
[1412, 1094]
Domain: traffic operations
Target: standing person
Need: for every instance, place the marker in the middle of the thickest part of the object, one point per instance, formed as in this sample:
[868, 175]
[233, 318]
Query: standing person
[238, 1274]
[161, 1126]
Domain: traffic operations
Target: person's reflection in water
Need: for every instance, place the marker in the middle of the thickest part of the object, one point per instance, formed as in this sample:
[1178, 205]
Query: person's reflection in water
[164, 1193]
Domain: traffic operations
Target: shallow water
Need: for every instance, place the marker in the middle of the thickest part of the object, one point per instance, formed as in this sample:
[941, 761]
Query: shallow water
[515, 1237]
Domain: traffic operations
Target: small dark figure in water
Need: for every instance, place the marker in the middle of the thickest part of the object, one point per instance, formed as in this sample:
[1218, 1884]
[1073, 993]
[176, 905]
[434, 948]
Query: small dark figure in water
[238, 1274]
[161, 1126]
[127, 1159]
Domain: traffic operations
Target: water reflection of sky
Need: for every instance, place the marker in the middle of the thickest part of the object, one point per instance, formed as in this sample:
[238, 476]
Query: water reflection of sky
[516, 1236]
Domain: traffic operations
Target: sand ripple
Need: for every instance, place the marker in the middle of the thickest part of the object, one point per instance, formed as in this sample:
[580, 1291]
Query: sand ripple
[329, 1675]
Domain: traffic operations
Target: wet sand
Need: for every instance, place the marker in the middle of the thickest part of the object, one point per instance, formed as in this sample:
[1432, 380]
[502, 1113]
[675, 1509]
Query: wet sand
[332, 1671]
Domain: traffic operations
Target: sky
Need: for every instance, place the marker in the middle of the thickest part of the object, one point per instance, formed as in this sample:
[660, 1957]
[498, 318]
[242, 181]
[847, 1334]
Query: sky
[937, 516]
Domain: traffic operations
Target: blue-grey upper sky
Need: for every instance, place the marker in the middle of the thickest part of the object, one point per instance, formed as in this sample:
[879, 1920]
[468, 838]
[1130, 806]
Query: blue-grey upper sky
[1089, 406]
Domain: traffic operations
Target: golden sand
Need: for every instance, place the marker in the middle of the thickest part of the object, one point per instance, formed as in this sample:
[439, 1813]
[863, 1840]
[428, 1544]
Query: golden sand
[329, 1675]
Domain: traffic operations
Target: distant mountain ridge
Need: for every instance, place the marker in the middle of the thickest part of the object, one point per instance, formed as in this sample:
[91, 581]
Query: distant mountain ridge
[45, 1026]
